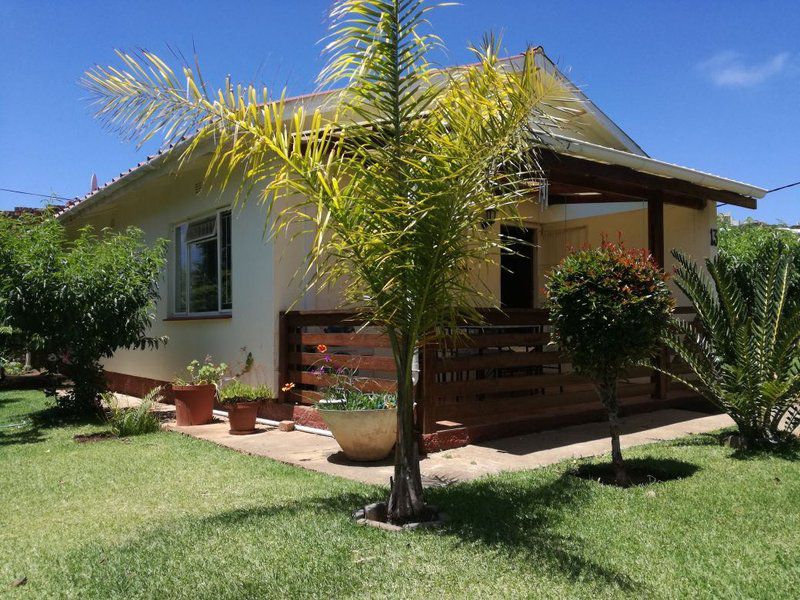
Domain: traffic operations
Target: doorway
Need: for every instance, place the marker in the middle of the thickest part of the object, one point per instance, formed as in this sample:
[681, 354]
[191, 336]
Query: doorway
[517, 289]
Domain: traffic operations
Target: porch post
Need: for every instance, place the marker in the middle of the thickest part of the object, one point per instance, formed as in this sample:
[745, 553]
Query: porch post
[655, 245]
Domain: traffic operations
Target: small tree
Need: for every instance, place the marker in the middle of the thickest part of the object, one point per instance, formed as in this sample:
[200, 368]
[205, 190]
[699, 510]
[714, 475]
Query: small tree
[80, 300]
[744, 348]
[609, 307]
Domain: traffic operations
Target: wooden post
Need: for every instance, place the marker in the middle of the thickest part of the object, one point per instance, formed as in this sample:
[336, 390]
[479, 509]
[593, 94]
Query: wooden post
[426, 409]
[283, 355]
[655, 245]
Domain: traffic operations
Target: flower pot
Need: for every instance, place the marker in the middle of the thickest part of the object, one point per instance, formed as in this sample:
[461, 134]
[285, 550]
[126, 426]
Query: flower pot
[242, 417]
[194, 403]
[363, 435]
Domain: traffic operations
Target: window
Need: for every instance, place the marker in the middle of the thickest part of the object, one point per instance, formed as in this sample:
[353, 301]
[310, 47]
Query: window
[203, 265]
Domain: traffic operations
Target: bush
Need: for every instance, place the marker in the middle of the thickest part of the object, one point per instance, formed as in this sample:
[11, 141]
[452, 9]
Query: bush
[138, 420]
[79, 300]
[608, 307]
[744, 347]
[747, 246]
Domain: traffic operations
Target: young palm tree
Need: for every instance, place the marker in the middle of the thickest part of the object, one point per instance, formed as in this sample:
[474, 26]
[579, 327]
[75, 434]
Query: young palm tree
[744, 352]
[394, 187]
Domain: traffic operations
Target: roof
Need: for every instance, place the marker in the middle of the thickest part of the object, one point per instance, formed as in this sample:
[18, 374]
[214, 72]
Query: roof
[627, 152]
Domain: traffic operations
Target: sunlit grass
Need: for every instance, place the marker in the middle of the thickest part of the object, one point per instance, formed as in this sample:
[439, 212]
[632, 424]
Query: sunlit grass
[163, 515]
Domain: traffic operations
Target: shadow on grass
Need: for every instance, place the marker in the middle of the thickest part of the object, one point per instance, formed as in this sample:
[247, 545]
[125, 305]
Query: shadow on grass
[524, 518]
[789, 450]
[641, 471]
[28, 428]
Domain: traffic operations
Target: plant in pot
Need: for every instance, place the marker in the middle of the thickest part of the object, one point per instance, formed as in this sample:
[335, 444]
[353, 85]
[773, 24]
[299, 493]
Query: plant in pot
[242, 402]
[195, 393]
[364, 424]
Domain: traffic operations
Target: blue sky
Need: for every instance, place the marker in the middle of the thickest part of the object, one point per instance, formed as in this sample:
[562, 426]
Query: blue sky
[711, 85]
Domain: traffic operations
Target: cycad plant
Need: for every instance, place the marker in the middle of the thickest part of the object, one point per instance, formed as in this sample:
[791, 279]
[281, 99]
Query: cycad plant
[392, 179]
[744, 351]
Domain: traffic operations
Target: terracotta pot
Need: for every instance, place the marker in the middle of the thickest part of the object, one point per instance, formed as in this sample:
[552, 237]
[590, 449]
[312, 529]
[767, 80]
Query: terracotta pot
[194, 404]
[363, 434]
[242, 417]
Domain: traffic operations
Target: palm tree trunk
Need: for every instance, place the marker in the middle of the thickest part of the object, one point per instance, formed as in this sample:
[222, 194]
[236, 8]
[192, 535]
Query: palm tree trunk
[608, 394]
[406, 502]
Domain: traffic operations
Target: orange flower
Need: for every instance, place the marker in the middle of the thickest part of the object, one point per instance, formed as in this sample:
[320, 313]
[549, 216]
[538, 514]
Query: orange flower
[287, 387]
[322, 348]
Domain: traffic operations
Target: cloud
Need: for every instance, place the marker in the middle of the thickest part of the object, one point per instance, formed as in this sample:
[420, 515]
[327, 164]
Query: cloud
[728, 69]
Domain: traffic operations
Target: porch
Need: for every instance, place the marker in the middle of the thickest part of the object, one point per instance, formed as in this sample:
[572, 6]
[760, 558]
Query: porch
[505, 377]
[501, 378]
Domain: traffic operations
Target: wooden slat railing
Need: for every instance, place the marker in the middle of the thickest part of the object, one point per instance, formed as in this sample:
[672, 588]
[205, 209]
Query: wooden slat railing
[503, 370]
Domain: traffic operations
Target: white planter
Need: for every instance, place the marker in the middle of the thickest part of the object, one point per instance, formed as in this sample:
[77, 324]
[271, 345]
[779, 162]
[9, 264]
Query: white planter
[363, 435]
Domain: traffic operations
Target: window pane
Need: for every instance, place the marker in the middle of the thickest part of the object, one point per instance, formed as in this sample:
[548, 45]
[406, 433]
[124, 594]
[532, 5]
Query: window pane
[180, 270]
[203, 276]
[225, 260]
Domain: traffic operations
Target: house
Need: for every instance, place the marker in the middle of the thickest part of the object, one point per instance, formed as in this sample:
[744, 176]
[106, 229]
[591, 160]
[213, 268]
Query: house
[228, 290]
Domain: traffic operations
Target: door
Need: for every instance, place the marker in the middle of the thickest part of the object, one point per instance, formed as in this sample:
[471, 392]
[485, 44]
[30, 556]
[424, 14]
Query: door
[517, 267]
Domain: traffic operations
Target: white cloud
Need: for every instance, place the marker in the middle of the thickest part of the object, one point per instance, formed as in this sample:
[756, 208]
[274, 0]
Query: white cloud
[729, 69]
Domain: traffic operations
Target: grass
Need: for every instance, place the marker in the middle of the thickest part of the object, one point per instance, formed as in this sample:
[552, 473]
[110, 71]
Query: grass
[163, 516]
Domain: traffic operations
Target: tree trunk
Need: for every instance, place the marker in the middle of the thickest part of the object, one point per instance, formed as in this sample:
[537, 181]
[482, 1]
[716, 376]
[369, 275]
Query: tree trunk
[405, 498]
[608, 393]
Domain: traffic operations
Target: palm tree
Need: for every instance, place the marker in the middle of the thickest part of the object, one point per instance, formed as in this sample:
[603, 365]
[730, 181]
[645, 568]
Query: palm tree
[744, 352]
[393, 187]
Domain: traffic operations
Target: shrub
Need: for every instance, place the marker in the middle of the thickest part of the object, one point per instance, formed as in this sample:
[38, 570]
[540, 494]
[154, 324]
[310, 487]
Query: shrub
[237, 391]
[79, 300]
[747, 246]
[608, 307]
[744, 347]
[137, 420]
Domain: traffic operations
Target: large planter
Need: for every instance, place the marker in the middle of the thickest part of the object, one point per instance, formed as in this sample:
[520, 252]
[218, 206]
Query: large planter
[242, 417]
[194, 404]
[363, 434]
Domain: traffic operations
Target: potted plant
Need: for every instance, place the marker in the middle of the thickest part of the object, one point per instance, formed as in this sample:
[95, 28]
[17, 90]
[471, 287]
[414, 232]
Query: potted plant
[194, 394]
[242, 402]
[364, 424]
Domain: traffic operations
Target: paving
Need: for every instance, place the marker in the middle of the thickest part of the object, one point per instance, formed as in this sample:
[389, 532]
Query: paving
[530, 451]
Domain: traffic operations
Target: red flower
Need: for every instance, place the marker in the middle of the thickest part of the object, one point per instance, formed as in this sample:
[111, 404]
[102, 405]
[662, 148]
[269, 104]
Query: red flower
[322, 348]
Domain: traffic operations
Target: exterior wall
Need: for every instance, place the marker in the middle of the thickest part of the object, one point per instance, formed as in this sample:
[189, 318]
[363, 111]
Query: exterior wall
[156, 206]
[560, 228]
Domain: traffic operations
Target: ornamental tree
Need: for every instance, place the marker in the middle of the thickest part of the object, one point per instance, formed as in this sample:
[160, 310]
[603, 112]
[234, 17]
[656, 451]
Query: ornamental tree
[609, 307]
[79, 300]
[392, 181]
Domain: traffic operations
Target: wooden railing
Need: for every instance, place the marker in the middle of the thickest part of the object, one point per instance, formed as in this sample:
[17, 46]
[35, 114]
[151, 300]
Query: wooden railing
[504, 370]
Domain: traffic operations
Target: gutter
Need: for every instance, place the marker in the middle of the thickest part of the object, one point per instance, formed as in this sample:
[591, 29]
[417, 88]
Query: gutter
[572, 147]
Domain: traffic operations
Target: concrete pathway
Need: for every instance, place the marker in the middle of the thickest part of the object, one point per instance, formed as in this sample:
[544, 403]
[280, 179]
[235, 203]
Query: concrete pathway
[530, 451]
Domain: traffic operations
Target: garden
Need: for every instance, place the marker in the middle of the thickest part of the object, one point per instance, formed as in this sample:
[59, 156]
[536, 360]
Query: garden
[99, 501]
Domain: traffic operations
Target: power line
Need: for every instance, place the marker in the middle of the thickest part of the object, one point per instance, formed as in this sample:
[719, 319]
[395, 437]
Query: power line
[783, 187]
[34, 194]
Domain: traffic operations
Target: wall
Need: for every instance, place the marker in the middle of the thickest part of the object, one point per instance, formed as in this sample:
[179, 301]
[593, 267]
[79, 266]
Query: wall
[155, 206]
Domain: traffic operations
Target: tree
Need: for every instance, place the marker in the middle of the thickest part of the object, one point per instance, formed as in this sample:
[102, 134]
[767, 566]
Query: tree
[743, 349]
[749, 247]
[81, 299]
[608, 307]
[394, 187]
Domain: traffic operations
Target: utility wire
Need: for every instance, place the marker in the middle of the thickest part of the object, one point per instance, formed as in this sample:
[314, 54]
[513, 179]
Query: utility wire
[783, 187]
[34, 194]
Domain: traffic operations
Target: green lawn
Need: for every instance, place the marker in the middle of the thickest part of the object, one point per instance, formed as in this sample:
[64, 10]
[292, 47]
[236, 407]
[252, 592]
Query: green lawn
[167, 516]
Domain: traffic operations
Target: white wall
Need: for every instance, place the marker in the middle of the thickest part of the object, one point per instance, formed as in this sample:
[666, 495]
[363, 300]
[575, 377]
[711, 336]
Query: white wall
[155, 206]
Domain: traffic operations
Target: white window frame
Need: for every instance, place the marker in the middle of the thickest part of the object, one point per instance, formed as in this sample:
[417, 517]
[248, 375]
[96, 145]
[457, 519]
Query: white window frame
[184, 225]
